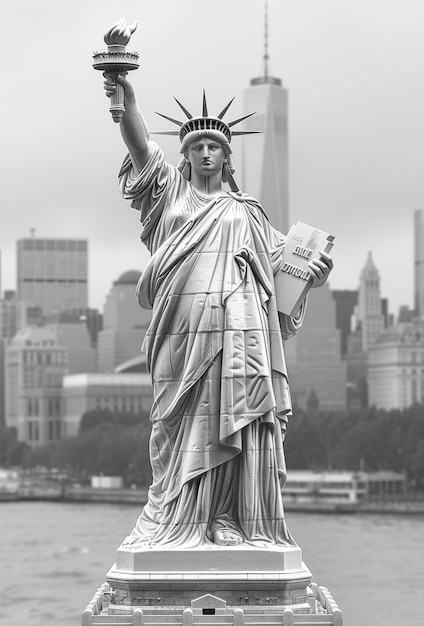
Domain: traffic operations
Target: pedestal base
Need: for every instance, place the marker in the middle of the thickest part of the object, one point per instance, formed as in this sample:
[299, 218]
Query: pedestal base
[240, 575]
[209, 610]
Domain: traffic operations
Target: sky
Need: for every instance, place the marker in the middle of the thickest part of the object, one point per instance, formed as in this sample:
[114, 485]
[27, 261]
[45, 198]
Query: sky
[353, 70]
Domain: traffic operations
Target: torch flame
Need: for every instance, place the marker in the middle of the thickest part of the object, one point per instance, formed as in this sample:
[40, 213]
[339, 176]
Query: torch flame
[120, 33]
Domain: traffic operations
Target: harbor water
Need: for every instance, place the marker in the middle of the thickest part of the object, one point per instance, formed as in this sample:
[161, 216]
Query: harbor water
[55, 555]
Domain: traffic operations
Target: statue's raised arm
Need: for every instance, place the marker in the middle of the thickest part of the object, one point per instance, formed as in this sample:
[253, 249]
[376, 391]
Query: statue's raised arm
[135, 132]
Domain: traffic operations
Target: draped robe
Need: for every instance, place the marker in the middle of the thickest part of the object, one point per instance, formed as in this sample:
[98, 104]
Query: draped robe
[215, 352]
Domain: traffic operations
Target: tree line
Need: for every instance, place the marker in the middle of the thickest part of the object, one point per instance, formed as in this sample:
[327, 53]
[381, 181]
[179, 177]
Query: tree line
[117, 444]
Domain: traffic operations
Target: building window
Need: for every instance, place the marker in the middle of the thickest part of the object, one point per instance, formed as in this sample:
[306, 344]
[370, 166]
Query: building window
[33, 430]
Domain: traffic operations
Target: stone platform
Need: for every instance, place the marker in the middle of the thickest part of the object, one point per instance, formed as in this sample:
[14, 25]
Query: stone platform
[209, 610]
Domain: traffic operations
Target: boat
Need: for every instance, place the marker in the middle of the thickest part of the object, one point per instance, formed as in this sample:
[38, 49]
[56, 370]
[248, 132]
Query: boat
[339, 491]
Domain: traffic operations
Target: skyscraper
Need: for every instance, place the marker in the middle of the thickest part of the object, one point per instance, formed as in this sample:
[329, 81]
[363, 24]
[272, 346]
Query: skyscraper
[12, 318]
[314, 361]
[369, 304]
[419, 263]
[346, 301]
[265, 157]
[53, 274]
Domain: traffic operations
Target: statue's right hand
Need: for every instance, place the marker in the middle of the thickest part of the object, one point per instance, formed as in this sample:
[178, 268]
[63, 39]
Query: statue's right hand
[110, 86]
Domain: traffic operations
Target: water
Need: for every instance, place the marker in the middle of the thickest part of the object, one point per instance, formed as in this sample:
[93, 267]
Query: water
[55, 555]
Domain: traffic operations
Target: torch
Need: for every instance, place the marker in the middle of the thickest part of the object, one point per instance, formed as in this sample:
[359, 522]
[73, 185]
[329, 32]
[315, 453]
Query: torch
[116, 60]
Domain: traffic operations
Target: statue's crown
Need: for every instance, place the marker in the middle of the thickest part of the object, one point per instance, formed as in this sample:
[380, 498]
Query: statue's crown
[205, 122]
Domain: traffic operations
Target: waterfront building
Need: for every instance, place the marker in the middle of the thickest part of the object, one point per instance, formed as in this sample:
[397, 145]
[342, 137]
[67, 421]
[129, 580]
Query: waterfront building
[124, 324]
[419, 263]
[52, 274]
[116, 392]
[396, 367]
[314, 361]
[265, 155]
[34, 367]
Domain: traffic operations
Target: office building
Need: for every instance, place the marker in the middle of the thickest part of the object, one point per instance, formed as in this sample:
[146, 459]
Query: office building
[12, 318]
[265, 155]
[34, 368]
[396, 367]
[317, 372]
[52, 274]
[118, 393]
[346, 301]
[12, 315]
[72, 333]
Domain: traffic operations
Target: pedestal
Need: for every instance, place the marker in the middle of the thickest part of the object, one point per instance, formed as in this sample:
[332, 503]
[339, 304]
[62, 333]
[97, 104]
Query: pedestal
[219, 585]
[240, 575]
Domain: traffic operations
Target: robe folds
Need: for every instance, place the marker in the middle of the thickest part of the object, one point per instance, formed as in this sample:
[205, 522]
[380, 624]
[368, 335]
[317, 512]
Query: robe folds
[214, 349]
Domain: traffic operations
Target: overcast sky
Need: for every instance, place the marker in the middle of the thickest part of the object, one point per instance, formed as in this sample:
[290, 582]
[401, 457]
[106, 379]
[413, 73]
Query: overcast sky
[354, 72]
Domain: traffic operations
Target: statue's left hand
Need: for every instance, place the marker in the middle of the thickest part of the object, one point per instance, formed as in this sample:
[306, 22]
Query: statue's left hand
[320, 269]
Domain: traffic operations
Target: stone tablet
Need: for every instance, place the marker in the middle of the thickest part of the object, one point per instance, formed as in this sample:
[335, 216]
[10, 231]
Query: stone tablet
[293, 280]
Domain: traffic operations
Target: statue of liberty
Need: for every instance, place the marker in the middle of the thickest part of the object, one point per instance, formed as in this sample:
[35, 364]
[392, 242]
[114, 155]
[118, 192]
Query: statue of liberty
[214, 347]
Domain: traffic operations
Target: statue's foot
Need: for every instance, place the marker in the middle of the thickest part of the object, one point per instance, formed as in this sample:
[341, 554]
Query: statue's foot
[227, 537]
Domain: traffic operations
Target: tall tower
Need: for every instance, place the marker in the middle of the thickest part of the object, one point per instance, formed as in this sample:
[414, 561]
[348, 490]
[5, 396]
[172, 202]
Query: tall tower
[419, 263]
[53, 273]
[369, 304]
[265, 156]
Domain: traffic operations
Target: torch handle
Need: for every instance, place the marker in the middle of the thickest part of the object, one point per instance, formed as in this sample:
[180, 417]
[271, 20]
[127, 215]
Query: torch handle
[117, 99]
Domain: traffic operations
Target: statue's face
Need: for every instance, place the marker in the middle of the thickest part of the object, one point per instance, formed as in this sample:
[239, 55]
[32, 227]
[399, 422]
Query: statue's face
[206, 156]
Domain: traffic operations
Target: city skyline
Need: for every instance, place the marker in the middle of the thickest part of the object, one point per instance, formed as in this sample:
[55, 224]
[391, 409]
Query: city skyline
[355, 121]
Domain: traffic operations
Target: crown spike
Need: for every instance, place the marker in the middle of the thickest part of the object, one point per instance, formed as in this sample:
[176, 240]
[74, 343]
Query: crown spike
[189, 115]
[225, 109]
[205, 106]
[170, 119]
[240, 119]
[245, 132]
[174, 133]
